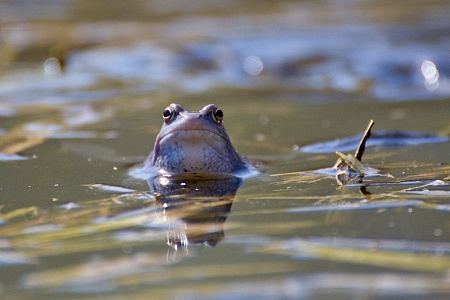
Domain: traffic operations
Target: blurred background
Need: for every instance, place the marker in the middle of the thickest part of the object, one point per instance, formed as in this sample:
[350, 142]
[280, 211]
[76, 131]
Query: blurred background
[311, 50]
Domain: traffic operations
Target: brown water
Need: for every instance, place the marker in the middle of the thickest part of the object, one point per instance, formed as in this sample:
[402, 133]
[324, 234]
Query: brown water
[74, 224]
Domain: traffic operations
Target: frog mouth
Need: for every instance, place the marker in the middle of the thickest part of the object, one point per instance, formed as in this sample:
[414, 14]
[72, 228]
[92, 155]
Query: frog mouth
[195, 134]
[190, 141]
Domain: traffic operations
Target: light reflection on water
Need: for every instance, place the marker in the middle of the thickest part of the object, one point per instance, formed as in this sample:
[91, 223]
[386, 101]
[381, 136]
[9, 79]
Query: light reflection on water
[290, 75]
[431, 74]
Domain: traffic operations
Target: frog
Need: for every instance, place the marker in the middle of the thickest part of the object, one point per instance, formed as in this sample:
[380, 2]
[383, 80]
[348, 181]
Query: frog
[195, 143]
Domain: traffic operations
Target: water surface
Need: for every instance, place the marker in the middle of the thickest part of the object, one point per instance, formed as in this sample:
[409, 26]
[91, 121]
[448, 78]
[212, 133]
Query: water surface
[82, 90]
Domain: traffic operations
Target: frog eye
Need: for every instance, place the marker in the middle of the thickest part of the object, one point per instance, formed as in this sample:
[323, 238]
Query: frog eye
[168, 114]
[217, 115]
[171, 112]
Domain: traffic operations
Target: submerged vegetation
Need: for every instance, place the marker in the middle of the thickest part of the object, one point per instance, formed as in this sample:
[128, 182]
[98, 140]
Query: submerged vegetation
[82, 86]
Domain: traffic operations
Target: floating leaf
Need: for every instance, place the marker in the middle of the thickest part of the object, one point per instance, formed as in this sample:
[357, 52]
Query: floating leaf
[110, 188]
[428, 262]
[349, 168]
[22, 144]
[18, 213]
[352, 162]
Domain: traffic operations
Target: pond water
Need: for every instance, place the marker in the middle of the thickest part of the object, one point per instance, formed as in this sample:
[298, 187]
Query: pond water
[82, 88]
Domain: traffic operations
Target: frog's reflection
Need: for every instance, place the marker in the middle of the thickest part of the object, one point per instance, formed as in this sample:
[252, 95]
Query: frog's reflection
[195, 208]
